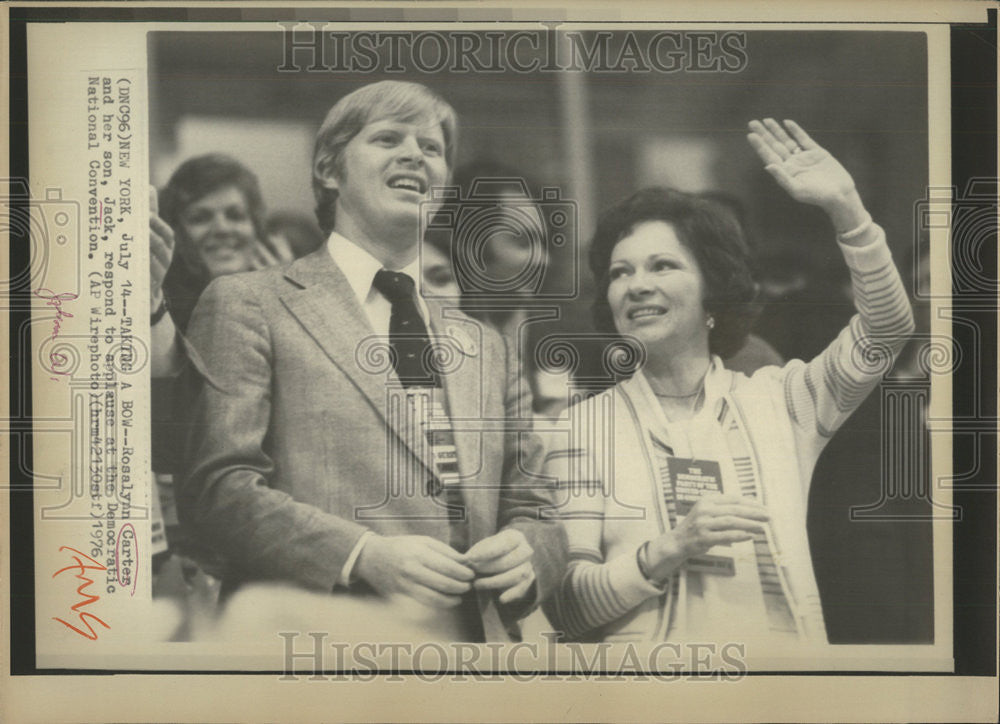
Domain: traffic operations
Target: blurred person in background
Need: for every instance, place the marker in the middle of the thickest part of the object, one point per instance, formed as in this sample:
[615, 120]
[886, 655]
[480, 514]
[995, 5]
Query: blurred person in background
[437, 274]
[700, 532]
[206, 222]
[502, 251]
[214, 207]
[498, 251]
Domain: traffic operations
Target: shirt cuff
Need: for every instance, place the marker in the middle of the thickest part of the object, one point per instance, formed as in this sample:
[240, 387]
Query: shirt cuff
[348, 569]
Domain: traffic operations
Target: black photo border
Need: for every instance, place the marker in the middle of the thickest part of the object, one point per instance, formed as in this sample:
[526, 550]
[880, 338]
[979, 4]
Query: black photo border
[974, 156]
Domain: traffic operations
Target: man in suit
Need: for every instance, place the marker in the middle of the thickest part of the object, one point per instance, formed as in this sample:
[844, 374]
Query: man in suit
[351, 437]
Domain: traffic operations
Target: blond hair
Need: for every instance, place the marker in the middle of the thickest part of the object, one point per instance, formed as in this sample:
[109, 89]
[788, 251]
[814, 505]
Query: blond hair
[398, 100]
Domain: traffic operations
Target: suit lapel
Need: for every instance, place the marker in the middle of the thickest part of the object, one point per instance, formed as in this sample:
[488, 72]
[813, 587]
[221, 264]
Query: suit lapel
[327, 308]
[465, 392]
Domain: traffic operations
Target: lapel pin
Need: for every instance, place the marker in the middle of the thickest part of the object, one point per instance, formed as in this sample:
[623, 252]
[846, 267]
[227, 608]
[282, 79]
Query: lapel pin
[463, 340]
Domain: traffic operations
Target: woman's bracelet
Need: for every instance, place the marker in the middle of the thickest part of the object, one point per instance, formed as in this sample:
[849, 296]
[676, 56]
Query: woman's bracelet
[160, 312]
[642, 559]
[857, 230]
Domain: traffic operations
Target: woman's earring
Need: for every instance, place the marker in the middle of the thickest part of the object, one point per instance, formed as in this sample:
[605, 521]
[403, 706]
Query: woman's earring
[710, 322]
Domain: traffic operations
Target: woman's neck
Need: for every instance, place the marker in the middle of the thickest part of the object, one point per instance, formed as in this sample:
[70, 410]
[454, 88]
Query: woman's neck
[678, 375]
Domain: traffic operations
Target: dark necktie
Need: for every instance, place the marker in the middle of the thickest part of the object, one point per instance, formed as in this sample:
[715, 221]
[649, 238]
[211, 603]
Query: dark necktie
[408, 336]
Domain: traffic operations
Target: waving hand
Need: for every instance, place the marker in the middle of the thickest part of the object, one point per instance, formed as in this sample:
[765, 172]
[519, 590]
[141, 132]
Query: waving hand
[807, 171]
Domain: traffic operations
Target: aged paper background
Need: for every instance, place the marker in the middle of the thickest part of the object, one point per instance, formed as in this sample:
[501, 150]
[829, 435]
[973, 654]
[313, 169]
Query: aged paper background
[55, 52]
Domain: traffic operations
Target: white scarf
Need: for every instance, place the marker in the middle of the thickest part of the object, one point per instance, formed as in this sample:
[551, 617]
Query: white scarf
[708, 606]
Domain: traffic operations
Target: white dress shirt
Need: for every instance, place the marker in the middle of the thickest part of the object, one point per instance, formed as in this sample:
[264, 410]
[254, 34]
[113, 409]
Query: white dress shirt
[360, 268]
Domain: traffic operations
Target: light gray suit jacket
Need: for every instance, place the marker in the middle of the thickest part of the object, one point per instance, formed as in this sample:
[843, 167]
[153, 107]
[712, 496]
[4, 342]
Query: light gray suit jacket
[293, 454]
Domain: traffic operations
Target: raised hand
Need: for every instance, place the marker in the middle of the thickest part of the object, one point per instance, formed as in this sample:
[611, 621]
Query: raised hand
[161, 251]
[807, 171]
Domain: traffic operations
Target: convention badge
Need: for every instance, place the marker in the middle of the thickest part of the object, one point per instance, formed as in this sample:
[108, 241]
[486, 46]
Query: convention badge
[691, 479]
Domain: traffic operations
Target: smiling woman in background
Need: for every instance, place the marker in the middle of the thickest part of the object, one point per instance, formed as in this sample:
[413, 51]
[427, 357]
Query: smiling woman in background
[686, 516]
[214, 206]
[208, 225]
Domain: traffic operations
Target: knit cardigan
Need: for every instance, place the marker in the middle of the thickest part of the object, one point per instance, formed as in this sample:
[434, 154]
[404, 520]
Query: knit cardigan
[612, 488]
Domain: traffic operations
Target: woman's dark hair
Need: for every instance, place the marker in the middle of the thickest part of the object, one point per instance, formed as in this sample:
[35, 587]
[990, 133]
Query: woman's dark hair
[714, 237]
[198, 177]
[194, 179]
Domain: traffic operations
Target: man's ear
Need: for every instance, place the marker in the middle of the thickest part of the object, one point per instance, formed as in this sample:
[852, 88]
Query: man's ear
[326, 172]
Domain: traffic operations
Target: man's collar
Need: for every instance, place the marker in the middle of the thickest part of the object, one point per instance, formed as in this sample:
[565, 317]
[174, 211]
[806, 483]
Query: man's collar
[360, 267]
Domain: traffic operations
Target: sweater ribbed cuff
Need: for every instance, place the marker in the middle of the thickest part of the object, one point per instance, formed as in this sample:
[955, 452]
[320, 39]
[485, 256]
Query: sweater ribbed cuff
[627, 581]
[868, 252]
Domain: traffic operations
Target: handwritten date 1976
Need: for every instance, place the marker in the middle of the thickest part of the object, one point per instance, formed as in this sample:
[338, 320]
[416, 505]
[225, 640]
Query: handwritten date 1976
[86, 599]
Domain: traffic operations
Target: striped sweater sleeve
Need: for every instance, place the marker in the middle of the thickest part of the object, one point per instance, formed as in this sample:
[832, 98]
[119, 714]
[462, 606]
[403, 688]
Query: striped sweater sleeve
[821, 394]
[593, 591]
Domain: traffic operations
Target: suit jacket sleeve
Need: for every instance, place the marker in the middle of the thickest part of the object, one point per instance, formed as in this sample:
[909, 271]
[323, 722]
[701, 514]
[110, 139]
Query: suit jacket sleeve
[229, 496]
[524, 496]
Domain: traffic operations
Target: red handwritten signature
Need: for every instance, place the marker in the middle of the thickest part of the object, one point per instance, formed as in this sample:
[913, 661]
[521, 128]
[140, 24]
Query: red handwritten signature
[87, 599]
[57, 360]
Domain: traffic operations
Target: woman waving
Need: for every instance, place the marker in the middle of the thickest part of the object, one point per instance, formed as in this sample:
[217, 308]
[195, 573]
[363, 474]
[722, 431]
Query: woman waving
[685, 487]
